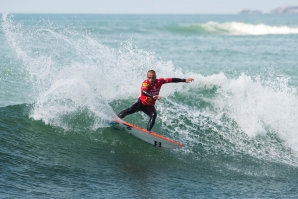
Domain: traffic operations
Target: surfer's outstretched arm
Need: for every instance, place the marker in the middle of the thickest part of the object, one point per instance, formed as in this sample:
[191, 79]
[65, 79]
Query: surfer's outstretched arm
[175, 80]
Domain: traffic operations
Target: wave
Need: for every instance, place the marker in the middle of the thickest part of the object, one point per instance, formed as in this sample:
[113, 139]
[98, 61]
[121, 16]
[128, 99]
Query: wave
[80, 82]
[246, 115]
[73, 73]
[234, 28]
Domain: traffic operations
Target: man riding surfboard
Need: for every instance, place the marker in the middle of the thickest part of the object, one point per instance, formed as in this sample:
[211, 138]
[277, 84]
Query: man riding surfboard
[149, 94]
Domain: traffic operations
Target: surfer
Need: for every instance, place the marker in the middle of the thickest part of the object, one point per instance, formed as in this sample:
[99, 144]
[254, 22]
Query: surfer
[149, 94]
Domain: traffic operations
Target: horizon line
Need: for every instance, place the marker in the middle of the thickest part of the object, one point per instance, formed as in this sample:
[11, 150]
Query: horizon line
[74, 13]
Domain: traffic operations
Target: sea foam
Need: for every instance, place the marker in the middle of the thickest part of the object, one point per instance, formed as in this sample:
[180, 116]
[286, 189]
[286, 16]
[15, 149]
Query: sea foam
[239, 28]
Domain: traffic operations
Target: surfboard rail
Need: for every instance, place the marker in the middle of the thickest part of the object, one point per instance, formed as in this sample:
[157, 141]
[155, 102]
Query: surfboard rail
[147, 136]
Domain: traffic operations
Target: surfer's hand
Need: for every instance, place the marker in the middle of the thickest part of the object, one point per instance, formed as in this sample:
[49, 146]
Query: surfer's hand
[189, 80]
[156, 97]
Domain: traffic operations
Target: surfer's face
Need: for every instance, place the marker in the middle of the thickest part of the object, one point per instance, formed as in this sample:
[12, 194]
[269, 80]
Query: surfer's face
[151, 77]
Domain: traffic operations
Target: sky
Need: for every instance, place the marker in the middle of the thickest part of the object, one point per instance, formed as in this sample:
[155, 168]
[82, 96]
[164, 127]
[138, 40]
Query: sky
[141, 6]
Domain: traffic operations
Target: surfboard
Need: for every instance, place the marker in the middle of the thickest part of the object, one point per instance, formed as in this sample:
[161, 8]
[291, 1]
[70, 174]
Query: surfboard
[147, 136]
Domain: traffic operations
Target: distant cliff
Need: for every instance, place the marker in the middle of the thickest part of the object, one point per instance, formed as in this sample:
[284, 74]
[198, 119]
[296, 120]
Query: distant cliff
[285, 10]
[280, 10]
[250, 12]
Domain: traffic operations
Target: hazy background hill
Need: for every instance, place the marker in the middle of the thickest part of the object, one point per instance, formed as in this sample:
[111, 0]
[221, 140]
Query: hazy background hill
[279, 10]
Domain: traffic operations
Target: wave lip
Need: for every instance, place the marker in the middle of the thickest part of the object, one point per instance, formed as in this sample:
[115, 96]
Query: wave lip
[238, 28]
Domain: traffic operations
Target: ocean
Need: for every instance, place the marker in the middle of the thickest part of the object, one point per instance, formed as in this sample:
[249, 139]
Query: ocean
[63, 77]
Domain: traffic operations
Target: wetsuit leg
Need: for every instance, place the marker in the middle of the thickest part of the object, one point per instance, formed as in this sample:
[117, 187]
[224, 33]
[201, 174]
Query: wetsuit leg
[151, 112]
[134, 108]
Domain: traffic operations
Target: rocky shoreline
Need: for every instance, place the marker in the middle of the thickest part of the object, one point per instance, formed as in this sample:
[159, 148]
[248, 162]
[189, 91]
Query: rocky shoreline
[285, 10]
[280, 10]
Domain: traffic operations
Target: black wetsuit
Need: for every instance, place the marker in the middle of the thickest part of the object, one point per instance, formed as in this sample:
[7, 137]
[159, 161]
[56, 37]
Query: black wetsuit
[138, 106]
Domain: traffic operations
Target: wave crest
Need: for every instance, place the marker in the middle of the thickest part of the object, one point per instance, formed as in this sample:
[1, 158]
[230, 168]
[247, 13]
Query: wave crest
[237, 28]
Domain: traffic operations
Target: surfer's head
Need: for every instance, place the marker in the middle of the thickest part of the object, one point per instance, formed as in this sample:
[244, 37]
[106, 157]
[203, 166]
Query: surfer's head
[151, 76]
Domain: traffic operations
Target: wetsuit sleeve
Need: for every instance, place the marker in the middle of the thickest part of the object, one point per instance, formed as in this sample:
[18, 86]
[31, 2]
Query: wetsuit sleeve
[176, 80]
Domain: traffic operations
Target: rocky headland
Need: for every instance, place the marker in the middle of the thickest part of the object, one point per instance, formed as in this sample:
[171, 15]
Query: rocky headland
[279, 10]
[285, 10]
[250, 12]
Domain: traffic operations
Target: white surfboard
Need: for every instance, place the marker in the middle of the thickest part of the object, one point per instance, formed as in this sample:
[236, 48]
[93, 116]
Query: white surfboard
[147, 136]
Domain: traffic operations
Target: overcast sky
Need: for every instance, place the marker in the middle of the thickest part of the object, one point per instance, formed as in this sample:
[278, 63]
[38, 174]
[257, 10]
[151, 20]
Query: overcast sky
[141, 6]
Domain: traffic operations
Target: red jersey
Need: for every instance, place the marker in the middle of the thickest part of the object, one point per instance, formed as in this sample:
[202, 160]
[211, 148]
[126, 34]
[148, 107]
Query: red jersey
[152, 90]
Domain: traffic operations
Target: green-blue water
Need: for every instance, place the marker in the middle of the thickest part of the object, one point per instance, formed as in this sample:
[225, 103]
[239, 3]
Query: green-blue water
[64, 76]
